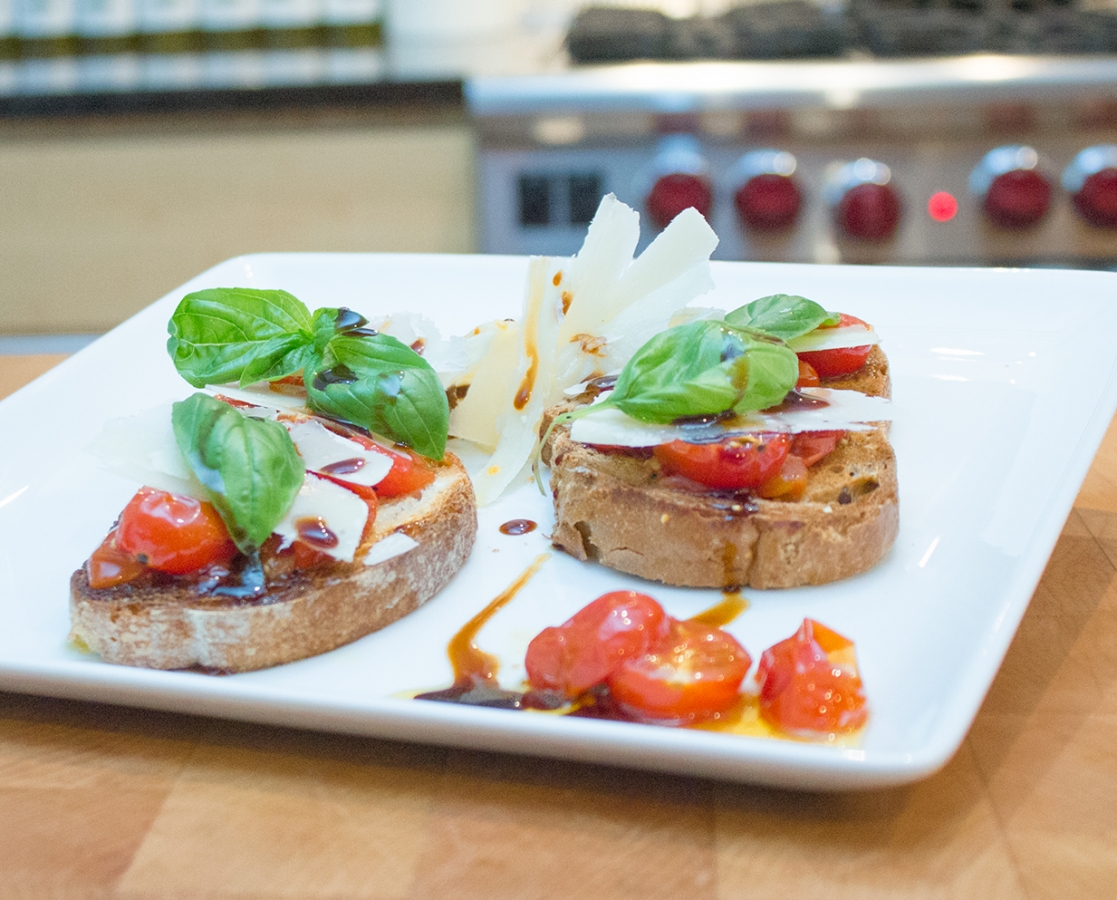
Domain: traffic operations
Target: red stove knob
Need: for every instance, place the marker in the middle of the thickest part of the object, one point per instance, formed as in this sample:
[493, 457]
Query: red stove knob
[870, 212]
[866, 205]
[1091, 180]
[1014, 192]
[769, 197]
[674, 192]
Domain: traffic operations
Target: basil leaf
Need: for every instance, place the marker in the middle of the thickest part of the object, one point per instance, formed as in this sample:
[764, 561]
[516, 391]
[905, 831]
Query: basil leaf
[784, 315]
[704, 368]
[221, 335]
[379, 383]
[250, 467]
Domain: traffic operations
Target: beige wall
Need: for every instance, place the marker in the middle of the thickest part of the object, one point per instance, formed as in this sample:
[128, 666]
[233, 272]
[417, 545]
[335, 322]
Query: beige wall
[98, 219]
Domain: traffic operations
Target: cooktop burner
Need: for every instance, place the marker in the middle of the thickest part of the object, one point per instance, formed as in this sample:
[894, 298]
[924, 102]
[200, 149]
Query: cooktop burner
[797, 29]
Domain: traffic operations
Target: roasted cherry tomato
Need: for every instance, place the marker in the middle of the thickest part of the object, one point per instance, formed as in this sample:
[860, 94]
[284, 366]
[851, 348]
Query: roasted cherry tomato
[692, 674]
[841, 360]
[789, 483]
[811, 446]
[172, 533]
[809, 683]
[110, 566]
[410, 472]
[586, 649]
[808, 377]
[736, 463]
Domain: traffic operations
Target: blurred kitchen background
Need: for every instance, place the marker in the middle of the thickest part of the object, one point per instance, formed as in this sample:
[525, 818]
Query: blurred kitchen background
[143, 141]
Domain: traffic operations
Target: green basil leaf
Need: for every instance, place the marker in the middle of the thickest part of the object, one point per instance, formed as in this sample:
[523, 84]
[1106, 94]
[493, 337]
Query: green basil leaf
[704, 368]
[222, 335]
[250, 467]
[784, 315]
[379, 383]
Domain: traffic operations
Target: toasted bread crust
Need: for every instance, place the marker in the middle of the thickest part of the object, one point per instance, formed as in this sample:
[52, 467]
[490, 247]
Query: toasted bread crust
[619, 510]
[307, 613]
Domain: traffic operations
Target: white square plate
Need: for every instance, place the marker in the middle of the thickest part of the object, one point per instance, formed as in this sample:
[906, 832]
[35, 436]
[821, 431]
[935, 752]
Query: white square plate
[1003, 383]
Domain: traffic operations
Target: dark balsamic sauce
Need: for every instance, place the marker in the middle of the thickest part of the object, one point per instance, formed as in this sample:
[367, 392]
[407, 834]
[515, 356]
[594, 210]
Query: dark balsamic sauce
[339, 374]
[344, 466]
[475, 671]
[347, 320]
[312, 530]
[797, 400]
[518, 526]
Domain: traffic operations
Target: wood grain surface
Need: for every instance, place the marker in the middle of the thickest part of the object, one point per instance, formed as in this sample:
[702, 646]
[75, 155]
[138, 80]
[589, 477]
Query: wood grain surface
[105, 802]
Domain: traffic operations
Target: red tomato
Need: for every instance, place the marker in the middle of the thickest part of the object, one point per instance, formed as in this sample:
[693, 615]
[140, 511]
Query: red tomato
[732, 464]
[110, 566]
[840, 361]
[809, 683]
[410, 472]
[811, 446]
[692, 674]
[790, 483]
[585, 650]
[173, 534]
[808, 377]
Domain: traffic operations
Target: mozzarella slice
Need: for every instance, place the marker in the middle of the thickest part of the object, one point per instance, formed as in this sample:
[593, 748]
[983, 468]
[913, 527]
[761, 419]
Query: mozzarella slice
[326, 517]
[389, 547]
[843, 411]
[324, 451]
[834, 339]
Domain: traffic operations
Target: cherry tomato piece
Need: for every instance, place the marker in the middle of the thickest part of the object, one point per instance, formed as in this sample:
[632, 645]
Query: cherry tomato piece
[410, 472]
[692, 674]
[594, 642]
[809, 683]
[840, 360]
[808, 377]
[811, 446]
[789, 483]
[109, 565]
[733, 464]
[172, 533]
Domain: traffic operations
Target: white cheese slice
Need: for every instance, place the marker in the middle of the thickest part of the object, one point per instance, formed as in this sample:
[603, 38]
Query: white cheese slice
[395, 544]
[834, 339]
[323, 505]
[263, 396]
[324, 451]
[844, 411]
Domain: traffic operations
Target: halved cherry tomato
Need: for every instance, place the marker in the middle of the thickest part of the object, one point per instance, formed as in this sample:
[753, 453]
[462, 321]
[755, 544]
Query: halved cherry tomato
[692, 674]
[809, 683]
[789, 483]
[811, 446]
[410, 472]
[841, 360]
[587, 648]
[109, 566]
[172, 533]
[808, 377]
[736, 463]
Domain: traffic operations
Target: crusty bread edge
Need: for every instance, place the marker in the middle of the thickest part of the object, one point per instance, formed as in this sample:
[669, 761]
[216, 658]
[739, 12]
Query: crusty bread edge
[318, 611]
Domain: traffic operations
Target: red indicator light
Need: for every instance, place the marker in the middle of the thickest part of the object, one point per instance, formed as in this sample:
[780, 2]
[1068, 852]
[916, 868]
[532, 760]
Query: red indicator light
[942, 207]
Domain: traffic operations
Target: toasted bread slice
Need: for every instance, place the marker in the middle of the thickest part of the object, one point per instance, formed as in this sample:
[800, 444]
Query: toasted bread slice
[618, 509]
[170, 625]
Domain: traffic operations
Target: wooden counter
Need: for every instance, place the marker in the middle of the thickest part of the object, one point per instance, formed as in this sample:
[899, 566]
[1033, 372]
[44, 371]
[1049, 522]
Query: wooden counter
[100, 802]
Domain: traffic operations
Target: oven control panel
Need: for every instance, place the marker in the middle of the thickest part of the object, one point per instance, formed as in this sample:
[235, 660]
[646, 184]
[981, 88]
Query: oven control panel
[1051, 200]
[980, 160]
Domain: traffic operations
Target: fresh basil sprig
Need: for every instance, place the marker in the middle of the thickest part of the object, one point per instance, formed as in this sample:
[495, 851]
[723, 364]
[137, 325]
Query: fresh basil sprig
[384, 385]
[223, 335]
[245, 335]
[249, 467]
[704, 368]
[786, 316]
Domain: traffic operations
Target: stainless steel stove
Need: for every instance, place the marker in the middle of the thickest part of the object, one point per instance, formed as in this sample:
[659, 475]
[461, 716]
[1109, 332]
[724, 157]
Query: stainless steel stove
[974, 159]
